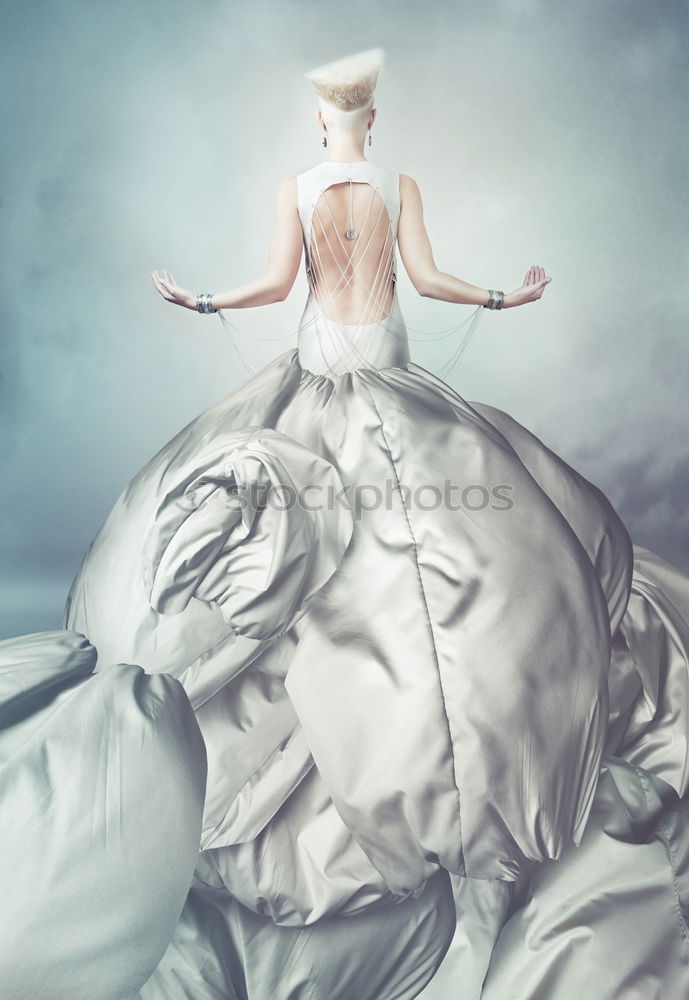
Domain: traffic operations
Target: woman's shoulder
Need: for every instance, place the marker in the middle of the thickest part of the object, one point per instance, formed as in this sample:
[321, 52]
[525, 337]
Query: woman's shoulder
[407, 181]
[286, 191]
[409, 189]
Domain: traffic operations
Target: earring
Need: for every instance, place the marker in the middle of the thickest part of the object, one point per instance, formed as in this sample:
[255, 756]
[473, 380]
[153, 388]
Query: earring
[369, 137]
[325, 139]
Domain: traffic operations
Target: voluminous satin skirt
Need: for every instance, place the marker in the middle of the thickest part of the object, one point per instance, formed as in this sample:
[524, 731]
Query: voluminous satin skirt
[385, 705]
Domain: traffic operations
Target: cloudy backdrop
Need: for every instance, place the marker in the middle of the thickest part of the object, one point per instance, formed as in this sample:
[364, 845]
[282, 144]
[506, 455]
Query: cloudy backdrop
[146, 134]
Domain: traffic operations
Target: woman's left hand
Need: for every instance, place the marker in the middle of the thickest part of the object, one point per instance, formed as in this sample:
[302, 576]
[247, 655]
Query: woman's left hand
[535, 282]
[170, 290]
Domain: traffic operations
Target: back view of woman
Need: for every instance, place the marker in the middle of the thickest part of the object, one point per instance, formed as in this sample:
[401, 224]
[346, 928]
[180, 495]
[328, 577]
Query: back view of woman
[430, 670]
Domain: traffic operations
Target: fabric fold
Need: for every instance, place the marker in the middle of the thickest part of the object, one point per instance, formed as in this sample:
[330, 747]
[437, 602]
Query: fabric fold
[102, 779]
[203, 569]
[235, 528]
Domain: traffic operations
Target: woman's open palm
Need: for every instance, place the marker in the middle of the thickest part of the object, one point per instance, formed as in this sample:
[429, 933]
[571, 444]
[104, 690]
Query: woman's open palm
[170, 290]
[535, 281]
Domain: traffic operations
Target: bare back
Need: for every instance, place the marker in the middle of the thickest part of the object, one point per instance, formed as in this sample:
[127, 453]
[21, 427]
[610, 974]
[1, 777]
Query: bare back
[349, 214]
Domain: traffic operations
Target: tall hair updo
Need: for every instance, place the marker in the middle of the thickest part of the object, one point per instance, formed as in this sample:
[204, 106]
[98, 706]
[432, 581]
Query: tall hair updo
[346, 88]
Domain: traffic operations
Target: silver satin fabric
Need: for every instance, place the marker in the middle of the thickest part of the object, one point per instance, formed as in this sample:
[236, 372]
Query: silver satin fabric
[352, 751]
[101, 788]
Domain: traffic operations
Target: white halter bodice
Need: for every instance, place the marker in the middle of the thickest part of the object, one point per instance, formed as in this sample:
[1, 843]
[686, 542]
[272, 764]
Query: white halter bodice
[352, 319]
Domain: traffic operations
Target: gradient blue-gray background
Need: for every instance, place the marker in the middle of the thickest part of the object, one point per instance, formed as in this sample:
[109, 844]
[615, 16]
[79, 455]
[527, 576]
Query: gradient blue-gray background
[151, 134]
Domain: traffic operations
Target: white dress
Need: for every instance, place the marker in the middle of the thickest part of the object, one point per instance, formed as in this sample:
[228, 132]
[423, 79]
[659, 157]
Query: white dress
[443, 700]
[328, 345]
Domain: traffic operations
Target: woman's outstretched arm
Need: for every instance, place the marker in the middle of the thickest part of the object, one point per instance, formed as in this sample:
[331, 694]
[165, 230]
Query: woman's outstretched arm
[284, 258]
[417, 257]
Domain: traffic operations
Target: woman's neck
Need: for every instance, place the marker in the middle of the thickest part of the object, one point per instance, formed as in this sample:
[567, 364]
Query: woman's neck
[345, 147]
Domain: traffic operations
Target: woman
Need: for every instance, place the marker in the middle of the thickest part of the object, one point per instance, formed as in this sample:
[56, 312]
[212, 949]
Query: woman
[352, 317]
[438, 688]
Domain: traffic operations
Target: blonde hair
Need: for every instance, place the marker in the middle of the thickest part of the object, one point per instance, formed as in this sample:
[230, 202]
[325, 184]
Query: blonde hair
[346, 87]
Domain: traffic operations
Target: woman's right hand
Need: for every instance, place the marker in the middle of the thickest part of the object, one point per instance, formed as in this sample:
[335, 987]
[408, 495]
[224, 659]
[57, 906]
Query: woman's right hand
[534, 285]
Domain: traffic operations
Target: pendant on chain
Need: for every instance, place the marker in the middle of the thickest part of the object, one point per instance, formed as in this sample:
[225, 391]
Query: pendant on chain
[351, 233]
